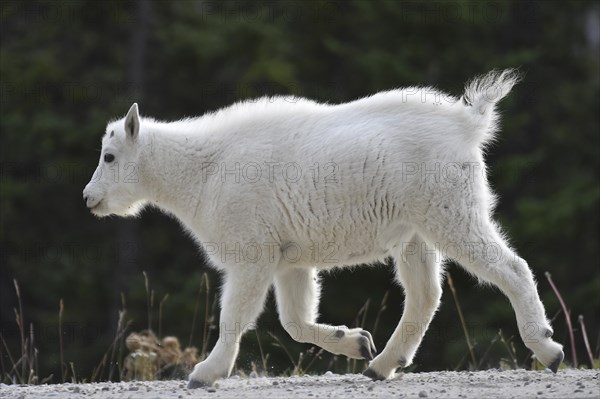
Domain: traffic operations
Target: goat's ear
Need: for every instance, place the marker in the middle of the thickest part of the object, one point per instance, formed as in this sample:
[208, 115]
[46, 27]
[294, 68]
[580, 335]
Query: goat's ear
[132, 123]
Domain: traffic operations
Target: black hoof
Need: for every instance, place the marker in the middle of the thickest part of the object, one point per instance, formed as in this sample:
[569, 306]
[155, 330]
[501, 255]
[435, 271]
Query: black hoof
[556, 363]
[195, 384]
[367, 335]
[365, 349]
[372, 374]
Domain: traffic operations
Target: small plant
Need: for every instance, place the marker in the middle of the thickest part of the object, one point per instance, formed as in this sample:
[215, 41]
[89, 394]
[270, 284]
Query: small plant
[594, 363]
[109, 359]
[151, 358]
[209, 316]
[24, 369]
[567, 319]
[470, 345]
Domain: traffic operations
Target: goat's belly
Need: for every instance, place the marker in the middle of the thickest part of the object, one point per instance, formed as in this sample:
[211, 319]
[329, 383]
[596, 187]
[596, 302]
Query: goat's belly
[344, 248]
[328, 255]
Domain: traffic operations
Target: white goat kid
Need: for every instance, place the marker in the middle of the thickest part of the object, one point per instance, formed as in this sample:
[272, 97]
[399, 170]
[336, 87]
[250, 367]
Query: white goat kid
[278, 188]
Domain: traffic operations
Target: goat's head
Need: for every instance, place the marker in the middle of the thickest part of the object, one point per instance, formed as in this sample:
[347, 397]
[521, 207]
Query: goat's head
[114, 187]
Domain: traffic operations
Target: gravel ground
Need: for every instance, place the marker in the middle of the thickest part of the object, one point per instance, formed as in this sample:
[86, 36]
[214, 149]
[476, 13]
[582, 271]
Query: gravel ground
[481, 384]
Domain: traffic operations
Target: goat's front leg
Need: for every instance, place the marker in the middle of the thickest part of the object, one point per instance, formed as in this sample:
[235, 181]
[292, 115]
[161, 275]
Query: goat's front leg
[242, 301]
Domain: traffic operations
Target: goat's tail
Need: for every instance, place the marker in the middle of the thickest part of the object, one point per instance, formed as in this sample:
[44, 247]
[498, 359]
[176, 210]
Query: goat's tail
[481, 95]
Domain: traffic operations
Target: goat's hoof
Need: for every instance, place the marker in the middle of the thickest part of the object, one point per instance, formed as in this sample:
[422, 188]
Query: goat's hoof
[366, 347]
[368, 336]
[195, 384]
[372, 374]
[365, 350]
[556, 363]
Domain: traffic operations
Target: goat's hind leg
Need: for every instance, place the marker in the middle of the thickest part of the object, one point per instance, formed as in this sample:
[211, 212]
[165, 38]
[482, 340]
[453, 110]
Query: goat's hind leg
[418, 270]
[297, 294]
[482, 251]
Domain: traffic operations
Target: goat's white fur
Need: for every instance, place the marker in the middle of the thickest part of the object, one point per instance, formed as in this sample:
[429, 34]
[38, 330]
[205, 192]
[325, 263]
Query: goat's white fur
[278, 188]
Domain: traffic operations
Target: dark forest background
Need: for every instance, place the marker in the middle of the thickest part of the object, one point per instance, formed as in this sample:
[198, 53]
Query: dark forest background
[67, 67]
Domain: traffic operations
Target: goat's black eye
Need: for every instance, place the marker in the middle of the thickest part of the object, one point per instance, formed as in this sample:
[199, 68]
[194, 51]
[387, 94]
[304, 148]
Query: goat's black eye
[108, 158]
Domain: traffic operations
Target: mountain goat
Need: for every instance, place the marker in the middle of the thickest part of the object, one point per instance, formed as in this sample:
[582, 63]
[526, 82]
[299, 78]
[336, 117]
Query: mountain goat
[278, 188]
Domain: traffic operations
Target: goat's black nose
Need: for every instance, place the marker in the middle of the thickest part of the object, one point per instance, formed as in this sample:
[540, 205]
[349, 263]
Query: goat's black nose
[85, 198]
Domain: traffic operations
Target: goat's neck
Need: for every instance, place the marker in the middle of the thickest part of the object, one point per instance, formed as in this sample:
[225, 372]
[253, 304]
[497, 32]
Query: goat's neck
[171, 165]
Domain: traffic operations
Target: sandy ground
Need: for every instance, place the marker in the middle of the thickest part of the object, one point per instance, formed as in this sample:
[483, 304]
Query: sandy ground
[481, 384]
